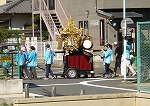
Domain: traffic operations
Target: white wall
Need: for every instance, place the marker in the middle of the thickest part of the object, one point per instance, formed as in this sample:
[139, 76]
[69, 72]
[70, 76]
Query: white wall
[2, 2]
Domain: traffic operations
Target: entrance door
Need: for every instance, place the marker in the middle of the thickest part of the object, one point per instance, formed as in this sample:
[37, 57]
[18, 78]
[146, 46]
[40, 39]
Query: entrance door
[51, 4]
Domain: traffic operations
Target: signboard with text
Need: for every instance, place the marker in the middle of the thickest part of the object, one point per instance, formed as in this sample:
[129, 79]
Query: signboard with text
[6, 59]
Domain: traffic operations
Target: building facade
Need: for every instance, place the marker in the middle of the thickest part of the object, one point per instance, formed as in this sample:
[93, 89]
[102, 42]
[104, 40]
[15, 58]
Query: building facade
[102, 18]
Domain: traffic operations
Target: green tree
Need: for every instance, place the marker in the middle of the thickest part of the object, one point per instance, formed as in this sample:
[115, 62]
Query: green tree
[5, 34]
[37, 27]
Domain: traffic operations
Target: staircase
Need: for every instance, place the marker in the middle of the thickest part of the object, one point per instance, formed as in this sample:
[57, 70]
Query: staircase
[51, 20]
[56, 21]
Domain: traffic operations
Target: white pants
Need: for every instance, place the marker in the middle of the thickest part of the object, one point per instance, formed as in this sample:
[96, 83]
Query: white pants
[126, 63]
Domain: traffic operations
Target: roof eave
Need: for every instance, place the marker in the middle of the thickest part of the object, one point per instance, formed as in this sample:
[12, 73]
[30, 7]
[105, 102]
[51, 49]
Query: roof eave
[104, 14]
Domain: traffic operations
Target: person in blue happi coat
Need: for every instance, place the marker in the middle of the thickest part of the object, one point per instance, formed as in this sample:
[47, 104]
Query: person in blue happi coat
[21, 59]
[126, 59]
[32, 63]
[108, 55]
[103, 58]
[49, 60]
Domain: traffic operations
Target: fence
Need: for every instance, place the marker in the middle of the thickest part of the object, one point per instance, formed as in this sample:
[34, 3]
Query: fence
[143, 56]
[40, 48]
[8, 59]
[7, 68]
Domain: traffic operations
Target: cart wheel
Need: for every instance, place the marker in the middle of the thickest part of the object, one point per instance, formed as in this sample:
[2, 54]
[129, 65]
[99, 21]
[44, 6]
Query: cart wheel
[71, 73]
[85, 75]
[78, 75]
[93, 75]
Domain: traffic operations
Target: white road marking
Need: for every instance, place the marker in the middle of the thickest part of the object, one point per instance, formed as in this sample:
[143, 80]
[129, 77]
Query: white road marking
[112, 78]
[58, 84]
[86, 83]
[34, 95]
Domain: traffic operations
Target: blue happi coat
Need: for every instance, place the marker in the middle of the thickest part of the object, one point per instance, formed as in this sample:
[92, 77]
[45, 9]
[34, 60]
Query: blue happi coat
[108, 55]
[49, 56]
[21, 58]
[128, 51]
[32, 59]
[127, 55]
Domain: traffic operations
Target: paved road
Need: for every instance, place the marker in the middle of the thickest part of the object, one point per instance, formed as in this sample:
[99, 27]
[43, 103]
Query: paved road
[65, 87]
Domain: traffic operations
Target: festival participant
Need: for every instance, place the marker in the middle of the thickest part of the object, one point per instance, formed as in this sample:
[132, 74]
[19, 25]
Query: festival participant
[32, 63]
[49, 60]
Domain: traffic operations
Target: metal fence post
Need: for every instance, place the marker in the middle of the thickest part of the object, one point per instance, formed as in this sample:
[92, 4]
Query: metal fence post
[53, 91]
[12, 72]
[19, 73]
[82, 92]
[26, 89]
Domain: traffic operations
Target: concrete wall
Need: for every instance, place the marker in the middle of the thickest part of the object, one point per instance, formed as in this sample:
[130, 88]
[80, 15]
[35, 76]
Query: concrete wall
[14, 86]
[127, 99]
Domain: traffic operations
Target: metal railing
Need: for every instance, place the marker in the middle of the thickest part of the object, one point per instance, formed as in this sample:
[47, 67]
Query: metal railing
[61, 13]
[40, 5]
[40, 48]
[7, 66]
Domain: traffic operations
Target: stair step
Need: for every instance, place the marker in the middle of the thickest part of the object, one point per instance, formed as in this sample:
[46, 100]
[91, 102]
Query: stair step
[58, 26]
[57, 23]
[56, 20]
[53, 15]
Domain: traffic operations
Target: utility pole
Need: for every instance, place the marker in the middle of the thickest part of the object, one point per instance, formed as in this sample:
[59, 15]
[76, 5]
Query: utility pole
[96, 5]
[33, 20]
[18, 47]
[124, 35]
[87, 22]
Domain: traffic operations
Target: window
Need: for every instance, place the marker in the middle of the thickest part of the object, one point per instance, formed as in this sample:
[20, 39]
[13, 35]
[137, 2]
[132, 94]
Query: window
[102, 32]
[51, 4]
[81, 26]
[84, 25]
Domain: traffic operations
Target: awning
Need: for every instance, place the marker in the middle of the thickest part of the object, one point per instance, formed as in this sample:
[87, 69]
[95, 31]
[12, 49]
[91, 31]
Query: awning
[114, 15]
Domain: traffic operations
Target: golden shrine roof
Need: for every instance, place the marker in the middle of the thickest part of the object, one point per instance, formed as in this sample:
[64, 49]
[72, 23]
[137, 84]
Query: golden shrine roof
[70, 28]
